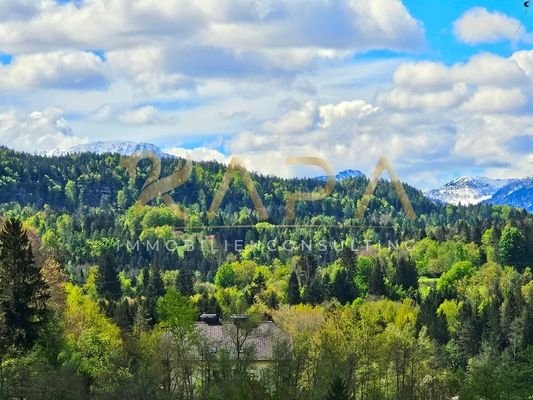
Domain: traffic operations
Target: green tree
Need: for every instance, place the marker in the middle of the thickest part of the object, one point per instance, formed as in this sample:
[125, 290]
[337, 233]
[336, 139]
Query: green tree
[343, 287]
[225, 276]
[93, 343]
[71, 193]
[293, 290]
[460, 270]
[153, 289]
[23, 290]
[176, 315]
[185, 282]
[512, 247]
[107, 282]
[313, 292]
[338, 390]
[376, 285]
[527, 315]
[406, 274]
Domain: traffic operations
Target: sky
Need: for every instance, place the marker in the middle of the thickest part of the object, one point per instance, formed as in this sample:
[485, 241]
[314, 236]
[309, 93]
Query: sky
[442, 88]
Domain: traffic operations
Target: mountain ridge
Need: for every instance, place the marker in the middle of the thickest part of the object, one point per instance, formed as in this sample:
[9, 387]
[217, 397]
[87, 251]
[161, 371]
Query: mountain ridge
[471, 190]
[121, 147]
[465, 190]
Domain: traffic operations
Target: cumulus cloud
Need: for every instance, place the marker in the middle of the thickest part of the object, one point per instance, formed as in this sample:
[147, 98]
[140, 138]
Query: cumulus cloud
[276, 78]
[402, 99]
[495, 100]
[146, 115]
[478, 25]
[435, 117]
[61, 69]
[38, 131]
[213, 37]
[481, 69]
[198, 154]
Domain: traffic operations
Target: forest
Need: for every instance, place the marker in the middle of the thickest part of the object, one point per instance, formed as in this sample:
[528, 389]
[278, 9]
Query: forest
[383, 308]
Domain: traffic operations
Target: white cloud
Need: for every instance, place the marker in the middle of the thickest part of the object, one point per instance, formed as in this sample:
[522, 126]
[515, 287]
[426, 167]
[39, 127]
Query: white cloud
[198, 154]
[37, 131]
[434, 118]
[146, 68]
[401, 99]
[101, 114]
[62, 69]
[16, 10]
[146, 115]
[213, 37]
[481, 69]
[274, 78]
[478, 25]
[495, 100]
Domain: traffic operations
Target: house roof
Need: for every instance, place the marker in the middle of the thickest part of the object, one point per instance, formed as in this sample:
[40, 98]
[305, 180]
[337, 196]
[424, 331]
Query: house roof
[261, 339]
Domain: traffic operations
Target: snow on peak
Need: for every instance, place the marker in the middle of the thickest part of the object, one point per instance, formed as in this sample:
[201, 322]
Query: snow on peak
[468, 190]
[124, 148]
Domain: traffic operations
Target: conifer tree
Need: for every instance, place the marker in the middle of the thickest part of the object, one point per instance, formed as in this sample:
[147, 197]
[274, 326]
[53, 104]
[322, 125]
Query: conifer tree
[338, 390]
[406, 273]
[154, 289]
[185, 282]
[23, 290]
[294, 289]
[376, 286]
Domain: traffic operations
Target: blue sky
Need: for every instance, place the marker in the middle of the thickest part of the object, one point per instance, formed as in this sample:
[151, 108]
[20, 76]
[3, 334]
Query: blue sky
[438, 17]
[442, 88]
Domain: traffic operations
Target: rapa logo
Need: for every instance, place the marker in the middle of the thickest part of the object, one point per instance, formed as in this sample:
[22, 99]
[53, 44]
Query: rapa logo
[160, 187]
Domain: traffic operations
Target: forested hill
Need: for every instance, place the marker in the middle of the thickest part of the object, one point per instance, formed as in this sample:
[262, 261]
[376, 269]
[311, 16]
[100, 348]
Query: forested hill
[96, 196]
[69, 183]
[444, 312]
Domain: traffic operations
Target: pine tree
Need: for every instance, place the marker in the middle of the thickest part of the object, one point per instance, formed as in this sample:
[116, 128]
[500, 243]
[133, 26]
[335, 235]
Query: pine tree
[293, 295]
[338, 390]
[185, 282]
[348, 257]
[376, 286]
[154, 290]
[527, 320]
[406, 273]
[314, 291]
[108, 283]
[343, 286]
[23, 290]
[428, 316]
[469, 330]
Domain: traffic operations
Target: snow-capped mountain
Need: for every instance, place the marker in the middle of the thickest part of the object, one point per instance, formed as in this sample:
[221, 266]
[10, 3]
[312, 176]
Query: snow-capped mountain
[347, 173]
[468, 190]
[124, 148]
[517, 194]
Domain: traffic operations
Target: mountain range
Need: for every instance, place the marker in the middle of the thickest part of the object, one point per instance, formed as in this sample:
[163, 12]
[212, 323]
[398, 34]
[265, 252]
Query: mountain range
[123, 148]
[516, 194]
[470, 190]
[126, 148]
[466, 190]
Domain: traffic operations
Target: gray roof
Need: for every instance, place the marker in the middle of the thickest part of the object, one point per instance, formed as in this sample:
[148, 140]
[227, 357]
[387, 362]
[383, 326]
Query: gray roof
[261, 339]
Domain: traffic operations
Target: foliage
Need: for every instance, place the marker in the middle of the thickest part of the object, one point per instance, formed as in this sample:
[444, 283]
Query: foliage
[434, 308]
